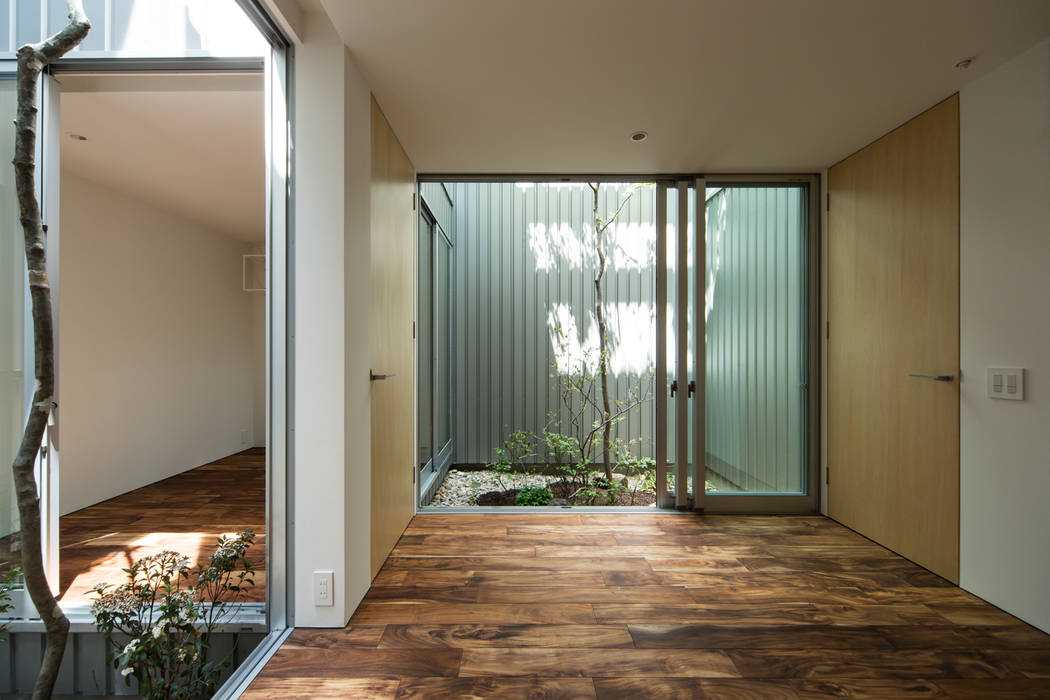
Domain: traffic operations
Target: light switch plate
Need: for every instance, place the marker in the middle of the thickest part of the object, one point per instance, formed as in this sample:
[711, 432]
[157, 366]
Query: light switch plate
[1006, 383]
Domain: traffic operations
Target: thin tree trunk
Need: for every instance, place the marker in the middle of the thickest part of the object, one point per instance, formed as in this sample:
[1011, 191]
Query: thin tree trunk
[603, 350]
[32, 59]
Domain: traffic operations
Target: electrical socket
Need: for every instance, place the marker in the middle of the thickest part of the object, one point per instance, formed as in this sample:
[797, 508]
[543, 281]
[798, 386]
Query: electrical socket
[244, 437]
[324, 588]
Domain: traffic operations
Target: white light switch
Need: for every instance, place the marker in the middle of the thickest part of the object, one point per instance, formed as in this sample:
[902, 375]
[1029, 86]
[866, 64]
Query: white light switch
[1006, 383]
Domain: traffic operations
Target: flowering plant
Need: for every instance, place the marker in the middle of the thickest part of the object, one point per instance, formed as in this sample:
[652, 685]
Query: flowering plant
[169, 610]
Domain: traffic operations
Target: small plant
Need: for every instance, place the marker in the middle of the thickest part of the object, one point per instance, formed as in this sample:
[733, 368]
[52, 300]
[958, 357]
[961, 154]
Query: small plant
[6, 584]
[169, 610]
[516, 449]
[533, 496]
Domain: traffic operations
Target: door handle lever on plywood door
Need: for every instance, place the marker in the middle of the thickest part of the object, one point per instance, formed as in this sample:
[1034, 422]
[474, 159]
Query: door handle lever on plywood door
[934, 377]
[372, 376]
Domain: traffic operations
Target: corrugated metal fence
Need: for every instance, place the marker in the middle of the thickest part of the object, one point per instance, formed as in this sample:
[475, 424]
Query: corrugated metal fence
[84, 669]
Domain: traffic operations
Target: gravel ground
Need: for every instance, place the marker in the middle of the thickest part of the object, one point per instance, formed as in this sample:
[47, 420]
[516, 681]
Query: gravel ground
[461, 488]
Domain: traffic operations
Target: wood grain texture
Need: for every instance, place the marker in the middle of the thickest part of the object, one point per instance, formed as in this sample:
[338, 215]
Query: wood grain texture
[893, 308]
[186, 513]
[452, 626]
[393, 313]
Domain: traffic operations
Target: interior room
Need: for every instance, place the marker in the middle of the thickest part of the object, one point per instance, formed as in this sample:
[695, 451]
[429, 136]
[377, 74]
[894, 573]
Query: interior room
[162, 429]
[904, 562]
[834, 285]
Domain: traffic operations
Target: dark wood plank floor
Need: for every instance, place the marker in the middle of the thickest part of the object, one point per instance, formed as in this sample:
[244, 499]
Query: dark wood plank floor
[657, 606]
[185, 513]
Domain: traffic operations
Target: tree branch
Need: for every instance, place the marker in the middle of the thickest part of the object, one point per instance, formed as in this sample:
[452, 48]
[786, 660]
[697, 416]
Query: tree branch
[32, 59]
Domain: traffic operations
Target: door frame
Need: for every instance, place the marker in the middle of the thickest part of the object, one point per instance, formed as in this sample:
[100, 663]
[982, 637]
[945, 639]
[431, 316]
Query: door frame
[276, 71]
[808, 502]
[429, 475]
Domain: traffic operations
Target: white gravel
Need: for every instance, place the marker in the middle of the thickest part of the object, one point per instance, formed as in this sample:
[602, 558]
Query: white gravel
[462, 488]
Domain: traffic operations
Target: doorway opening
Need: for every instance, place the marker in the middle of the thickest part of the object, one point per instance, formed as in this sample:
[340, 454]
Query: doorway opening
[162, 325]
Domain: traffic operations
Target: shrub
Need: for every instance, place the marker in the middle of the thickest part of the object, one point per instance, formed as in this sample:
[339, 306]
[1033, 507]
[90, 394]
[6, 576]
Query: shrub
[533, 496]
[516, 449]
[169, 610]
[6, 584]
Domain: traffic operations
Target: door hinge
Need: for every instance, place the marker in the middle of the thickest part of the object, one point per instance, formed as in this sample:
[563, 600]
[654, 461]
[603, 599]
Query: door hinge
[827, 330]
[827, 475]
[829, 202]
[413, 330]
[413, 201]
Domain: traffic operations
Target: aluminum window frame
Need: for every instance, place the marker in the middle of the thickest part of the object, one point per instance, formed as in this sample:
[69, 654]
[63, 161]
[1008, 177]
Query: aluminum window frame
[276, 615]
[758, 503]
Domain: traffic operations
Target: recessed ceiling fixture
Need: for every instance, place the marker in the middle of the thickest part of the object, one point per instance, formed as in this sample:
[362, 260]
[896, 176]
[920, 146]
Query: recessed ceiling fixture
[76, 137]
[965, 63]
[639, 136]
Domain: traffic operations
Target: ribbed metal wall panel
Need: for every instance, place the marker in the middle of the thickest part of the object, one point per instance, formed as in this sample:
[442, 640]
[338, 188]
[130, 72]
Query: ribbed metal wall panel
[522, 259]
[756, 363]
[84, 669]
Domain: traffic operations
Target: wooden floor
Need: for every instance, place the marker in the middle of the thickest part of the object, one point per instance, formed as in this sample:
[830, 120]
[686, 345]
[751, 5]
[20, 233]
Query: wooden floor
[186, 513]
[657, 606]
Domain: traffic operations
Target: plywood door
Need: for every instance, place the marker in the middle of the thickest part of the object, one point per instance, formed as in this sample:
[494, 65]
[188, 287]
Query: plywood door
[893, 309]
[393, 292]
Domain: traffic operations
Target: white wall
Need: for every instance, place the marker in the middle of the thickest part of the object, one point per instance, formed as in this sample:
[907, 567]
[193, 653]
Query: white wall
[332, 454]
[1005, 321]
[155, 361]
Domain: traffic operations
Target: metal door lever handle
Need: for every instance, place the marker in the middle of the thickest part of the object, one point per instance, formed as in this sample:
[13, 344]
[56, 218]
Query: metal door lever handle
[372, 376]
[934, 377]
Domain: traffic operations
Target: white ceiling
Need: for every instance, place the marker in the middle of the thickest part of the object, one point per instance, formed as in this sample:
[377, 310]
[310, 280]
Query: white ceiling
[556, 86]
[190, 145]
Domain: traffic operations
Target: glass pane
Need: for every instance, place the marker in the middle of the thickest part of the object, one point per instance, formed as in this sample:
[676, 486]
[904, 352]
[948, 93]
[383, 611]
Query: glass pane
[672, 337]
[27, 22]
[12, 305]
[423, 342]
[154, 28]
[688, 368]
[442, 348]
[756, 355]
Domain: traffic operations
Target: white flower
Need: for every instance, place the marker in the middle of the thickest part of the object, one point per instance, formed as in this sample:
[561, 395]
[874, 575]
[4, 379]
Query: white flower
[131, 646]
[127, 671]
[158, 629]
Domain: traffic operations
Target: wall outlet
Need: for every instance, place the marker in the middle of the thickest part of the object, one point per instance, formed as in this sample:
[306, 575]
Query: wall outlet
[1006, 383]
[244, 437]
[324, 585]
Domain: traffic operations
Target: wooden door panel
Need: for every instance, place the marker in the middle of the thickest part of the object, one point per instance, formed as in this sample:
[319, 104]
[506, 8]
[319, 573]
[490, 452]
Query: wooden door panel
[393, 295]
[893, 295]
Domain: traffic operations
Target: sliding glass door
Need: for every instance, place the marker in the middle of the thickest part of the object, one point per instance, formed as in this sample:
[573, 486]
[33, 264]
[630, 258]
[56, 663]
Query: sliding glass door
[434, 355]
[738, 339]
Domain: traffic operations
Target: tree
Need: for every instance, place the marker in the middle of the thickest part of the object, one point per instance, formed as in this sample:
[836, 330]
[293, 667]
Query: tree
[601, 226]
[32, 59]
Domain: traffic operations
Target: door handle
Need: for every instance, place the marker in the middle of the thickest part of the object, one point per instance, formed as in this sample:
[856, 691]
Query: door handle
[934, 377]
[373, 377]
[692, 388]
[674, 387]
